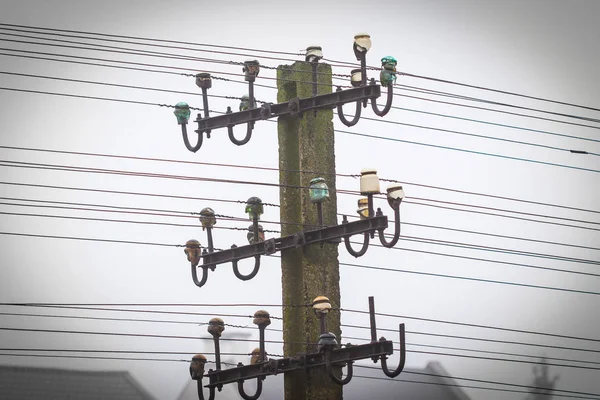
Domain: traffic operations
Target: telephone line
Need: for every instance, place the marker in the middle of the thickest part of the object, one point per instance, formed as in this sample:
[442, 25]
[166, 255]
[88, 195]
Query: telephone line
[469, 151]
[341, 63]
[183, 214]
[71, 168]
[496, 90]
[109, 307]
[286, 170]
[339, 131]
[455, 132]
[494, 110]
[272, 231]
[491, 102]
[466, 278]
[122, 50]
[575, 291]
[235, 201]
[226, 62]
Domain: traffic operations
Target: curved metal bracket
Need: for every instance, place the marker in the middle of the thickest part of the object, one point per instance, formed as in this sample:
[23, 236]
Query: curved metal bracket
[340, 113]
[191, 148]
[394, 240]
[211, 392]
[364, 247]
[329, 369]
[252, 274]
[246, 139]
[201, 282]
[398, 370]
[362, 250]
[388, 102]
[253, 397]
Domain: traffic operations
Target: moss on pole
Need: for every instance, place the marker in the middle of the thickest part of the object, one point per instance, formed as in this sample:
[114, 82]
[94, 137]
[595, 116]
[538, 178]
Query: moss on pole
[306, 151]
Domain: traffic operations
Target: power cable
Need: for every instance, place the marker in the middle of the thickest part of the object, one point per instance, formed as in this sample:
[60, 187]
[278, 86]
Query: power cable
[71, 168]
[484, 381]
[116, 85]
[343, 264]
[495, 124]
[120, 66]
[342, 63]
[502, 215]
[236, 201]
[150, 39]
[496, 103]
[501, 341]
[494, 110]
[183, 214]
[455, 132]
[496, 91]
[466, 278]
[274, 169]
[339, 131]
[110, 308]
[471, 325]
[343, 325]
[272, 231]
[468, 151]
[229, 62]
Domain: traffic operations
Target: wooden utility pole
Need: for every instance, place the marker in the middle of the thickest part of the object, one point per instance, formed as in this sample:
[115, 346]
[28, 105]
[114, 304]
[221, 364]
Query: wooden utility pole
[306, 151]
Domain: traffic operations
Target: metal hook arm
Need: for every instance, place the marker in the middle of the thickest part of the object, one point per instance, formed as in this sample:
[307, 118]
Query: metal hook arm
[252, 274]
[211, 392]
[329, 369]
[246, 139]
[202, 281]
[253, 397]
[396, 372]
[191, 148]
[354, 120]
[388, 102]
[362, 250]
[364, 247]
[394, 240]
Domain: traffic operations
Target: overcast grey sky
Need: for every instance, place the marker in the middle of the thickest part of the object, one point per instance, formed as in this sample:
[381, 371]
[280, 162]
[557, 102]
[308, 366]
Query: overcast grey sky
[541, 48]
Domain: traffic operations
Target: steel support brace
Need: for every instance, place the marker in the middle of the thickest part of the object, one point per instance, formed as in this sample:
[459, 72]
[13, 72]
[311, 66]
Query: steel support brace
[311, 360]
[292, 107]
[298, 239]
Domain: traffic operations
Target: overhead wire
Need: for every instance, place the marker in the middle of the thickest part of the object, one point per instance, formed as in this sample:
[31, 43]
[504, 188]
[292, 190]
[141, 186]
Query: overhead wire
[117, 307]
[466, 278]
[556, 392]
[340, 131]
[470, 279]
[340, 63]
[175, 213]
[71, 168]
[233, 364]
[481, 153]
[491, 102]
[497, 91]
[95, 190]
[493, 110]
[479, 121]
[272, 87]
[487, 137]
[522, 265]
[275, 169]
[176, 56]
[162, 336]
[275, 231]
